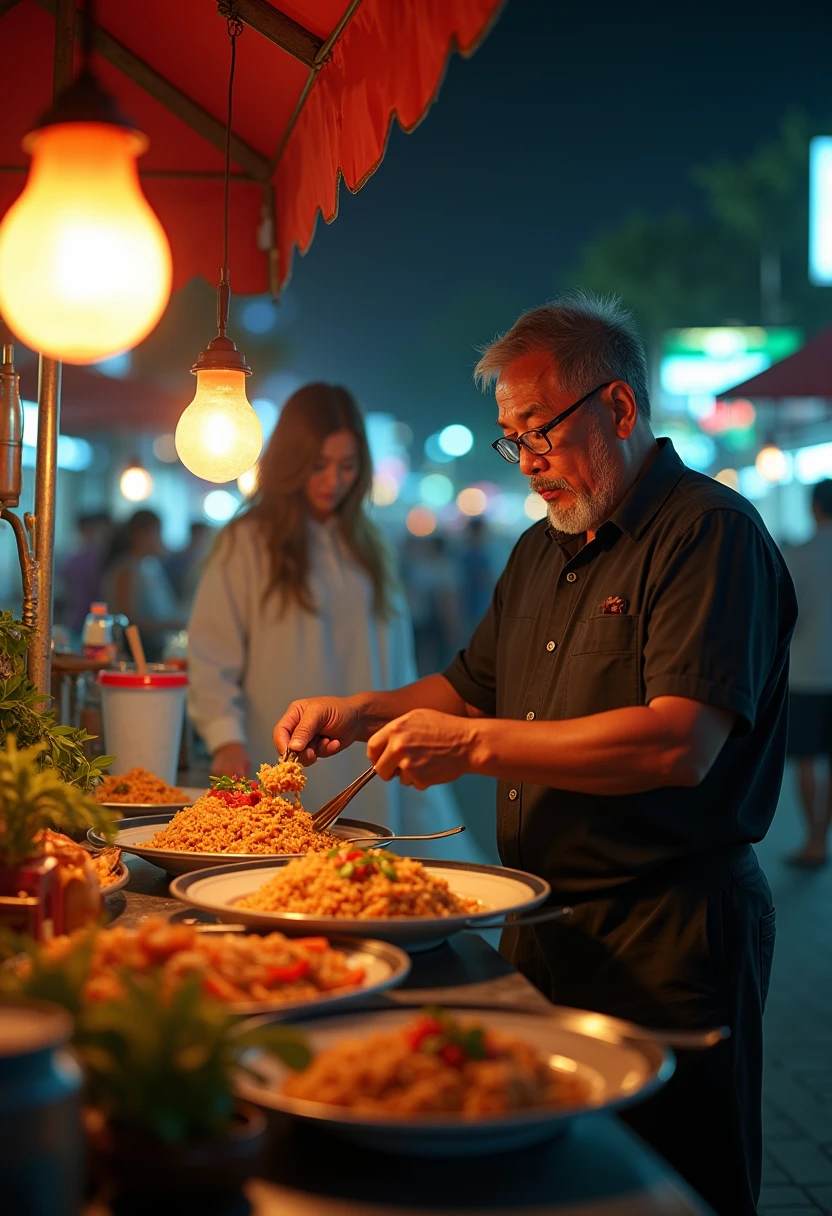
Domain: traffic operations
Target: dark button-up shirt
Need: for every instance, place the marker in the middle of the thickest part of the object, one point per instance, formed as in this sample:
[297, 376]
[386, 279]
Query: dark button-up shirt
[681, 593]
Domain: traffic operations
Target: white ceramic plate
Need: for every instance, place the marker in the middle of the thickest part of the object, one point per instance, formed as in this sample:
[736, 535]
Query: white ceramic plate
[148, 808]
[130, 838]
[384, 966]
[120, 883]
[500, 891]
[618, 1063]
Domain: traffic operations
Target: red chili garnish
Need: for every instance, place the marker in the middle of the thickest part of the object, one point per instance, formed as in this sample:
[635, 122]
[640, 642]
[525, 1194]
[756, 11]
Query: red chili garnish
[453, 1054]
[289, 972]
[424, 1029]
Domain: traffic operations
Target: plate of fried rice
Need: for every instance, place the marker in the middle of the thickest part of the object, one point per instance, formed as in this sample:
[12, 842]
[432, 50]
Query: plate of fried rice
[249, 972]
[140, 790]
[239, 820]
[458, 1082]
[414, 903]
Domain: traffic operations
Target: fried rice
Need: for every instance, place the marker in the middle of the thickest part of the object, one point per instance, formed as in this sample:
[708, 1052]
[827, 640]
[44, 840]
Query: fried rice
[316, 885]
[436, 1065]
[236, 968]
[137, 785]
[274, 825]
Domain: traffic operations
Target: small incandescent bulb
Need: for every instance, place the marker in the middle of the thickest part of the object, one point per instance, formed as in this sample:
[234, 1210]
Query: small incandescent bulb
[219, 436]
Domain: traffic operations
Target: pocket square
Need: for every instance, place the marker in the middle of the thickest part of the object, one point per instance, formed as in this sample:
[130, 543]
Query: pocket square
[614, 605]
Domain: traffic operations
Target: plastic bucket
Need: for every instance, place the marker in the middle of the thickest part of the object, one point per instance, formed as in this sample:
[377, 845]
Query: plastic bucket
[143, 717]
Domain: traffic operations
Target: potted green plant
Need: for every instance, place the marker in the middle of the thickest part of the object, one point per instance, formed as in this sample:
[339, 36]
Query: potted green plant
[34, 898]
[161, 1117]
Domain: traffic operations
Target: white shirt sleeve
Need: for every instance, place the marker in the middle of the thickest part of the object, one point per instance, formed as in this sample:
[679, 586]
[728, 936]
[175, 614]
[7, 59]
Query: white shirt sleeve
[218, 647]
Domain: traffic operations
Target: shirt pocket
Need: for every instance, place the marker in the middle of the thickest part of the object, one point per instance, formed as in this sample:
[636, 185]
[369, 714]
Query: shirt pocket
[602, 671]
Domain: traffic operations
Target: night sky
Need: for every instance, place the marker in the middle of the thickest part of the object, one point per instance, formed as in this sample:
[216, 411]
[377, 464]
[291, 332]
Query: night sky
[568, 118]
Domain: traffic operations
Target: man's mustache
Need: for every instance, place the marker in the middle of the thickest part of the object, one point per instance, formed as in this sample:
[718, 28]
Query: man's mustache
[537, 484]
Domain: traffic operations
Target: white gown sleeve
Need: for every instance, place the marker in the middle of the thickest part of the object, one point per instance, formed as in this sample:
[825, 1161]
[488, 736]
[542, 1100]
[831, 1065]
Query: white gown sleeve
[217, 649]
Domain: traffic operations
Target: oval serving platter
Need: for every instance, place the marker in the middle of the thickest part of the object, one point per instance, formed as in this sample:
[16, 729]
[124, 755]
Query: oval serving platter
[129, 840]
[619, 1065]
[500, 890]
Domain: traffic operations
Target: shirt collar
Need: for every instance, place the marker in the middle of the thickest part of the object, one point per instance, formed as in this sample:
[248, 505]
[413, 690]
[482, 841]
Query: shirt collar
[644, 498]
[650, 492]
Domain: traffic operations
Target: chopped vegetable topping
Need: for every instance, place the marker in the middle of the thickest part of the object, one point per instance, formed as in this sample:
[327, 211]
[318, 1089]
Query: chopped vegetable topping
[235, 791]
[438, 1034]
[363, 863]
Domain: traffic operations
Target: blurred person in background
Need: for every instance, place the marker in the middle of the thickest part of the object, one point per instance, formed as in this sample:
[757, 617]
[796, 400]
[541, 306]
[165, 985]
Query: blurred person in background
[810, 679]
[136, 585]
[80, 574]
[184, 566]
[300, 592]
[477, 575]
[430, 580]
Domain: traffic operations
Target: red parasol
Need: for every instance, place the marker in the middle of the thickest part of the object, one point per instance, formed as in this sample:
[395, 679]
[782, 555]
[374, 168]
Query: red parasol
[318, 84]
[806, 373]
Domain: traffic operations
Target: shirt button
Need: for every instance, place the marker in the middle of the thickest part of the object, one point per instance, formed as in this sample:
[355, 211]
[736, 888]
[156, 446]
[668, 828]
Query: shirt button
[530, 716]
[512, 794]
[551, 645]
[571, 577]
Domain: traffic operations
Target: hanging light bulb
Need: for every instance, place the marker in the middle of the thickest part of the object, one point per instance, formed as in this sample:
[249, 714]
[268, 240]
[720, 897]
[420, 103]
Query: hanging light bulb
[219, 436]
[85, 266]
[135, 483]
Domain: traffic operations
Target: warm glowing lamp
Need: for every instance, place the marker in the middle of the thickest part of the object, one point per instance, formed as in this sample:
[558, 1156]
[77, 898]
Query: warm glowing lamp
[135, 483]
[85, 266]
[219, 436]
[771, 463]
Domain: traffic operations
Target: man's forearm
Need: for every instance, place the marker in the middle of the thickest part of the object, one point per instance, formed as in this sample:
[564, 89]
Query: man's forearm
[623, 751]
[431, 692]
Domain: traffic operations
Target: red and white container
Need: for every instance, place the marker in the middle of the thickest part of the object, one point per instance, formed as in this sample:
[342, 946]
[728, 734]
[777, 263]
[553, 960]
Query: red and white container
[143, 716]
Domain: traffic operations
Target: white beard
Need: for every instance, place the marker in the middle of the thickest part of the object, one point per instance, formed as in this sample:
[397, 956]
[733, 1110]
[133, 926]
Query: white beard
[588, 511]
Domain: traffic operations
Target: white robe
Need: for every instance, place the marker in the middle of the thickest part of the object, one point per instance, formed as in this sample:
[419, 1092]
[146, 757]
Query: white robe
[247, 662]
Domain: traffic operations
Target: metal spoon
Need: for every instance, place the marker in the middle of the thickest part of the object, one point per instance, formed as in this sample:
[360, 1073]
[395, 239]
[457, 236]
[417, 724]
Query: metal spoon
[376, 842]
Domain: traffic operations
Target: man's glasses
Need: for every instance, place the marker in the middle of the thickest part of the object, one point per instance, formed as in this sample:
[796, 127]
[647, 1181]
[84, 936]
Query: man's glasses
[538, 441]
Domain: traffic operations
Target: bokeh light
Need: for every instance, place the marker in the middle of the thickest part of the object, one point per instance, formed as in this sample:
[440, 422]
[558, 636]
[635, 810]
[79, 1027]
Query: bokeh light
[248, 482]
[435, 490]
[420, 522]
[136, 484]
[729, 477]
[164, 449]
[471, 501]
[771, 464]
[456, 440]
[219, 506]
[535, 507]
[435, 452]
[385, 489]
[258, 316]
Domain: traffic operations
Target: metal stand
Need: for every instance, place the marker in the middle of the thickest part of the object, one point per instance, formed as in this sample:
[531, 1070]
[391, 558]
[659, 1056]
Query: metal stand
[49, 420]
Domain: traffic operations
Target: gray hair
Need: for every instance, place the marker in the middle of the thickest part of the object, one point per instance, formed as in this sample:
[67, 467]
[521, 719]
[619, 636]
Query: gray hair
[590, 338]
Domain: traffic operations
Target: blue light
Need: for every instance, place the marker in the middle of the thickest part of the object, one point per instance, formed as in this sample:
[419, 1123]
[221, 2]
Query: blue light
[258, 316]
[268, 413]
[75, 455]
[219, 506]
[118, 367]
[435, 452]
[436, 490]
[456, 440]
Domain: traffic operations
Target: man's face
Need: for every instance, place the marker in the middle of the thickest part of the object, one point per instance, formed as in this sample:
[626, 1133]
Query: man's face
[581, 478]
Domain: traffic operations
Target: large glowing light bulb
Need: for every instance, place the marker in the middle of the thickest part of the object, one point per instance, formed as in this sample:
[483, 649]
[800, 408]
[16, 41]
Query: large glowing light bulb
[85, 266]
[219, 436]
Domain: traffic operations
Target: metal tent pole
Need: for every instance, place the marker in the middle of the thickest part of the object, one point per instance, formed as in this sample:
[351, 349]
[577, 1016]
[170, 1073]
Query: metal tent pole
[49, 419]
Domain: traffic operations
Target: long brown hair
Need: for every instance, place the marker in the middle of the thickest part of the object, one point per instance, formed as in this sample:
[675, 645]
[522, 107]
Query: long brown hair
[279, 510]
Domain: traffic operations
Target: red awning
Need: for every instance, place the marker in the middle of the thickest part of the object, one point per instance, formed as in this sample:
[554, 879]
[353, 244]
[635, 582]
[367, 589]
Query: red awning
[303, 116]
[806, 373]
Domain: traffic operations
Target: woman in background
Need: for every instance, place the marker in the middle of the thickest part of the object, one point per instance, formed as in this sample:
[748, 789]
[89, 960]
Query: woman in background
[299, 596]
[136, 585]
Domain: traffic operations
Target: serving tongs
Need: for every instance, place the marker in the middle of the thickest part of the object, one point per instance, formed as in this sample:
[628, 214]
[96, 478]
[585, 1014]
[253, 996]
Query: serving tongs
[329, 812]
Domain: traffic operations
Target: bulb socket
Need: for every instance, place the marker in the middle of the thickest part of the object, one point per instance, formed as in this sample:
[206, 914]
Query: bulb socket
[221, 355]
[85, 101]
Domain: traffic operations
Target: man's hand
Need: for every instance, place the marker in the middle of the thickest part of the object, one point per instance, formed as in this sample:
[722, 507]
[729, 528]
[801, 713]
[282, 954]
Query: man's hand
[230, 760]
[318, 726]
[424, 748]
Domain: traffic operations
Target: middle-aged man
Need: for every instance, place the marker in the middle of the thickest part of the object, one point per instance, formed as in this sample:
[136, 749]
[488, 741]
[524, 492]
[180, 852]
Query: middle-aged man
[628, 689]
